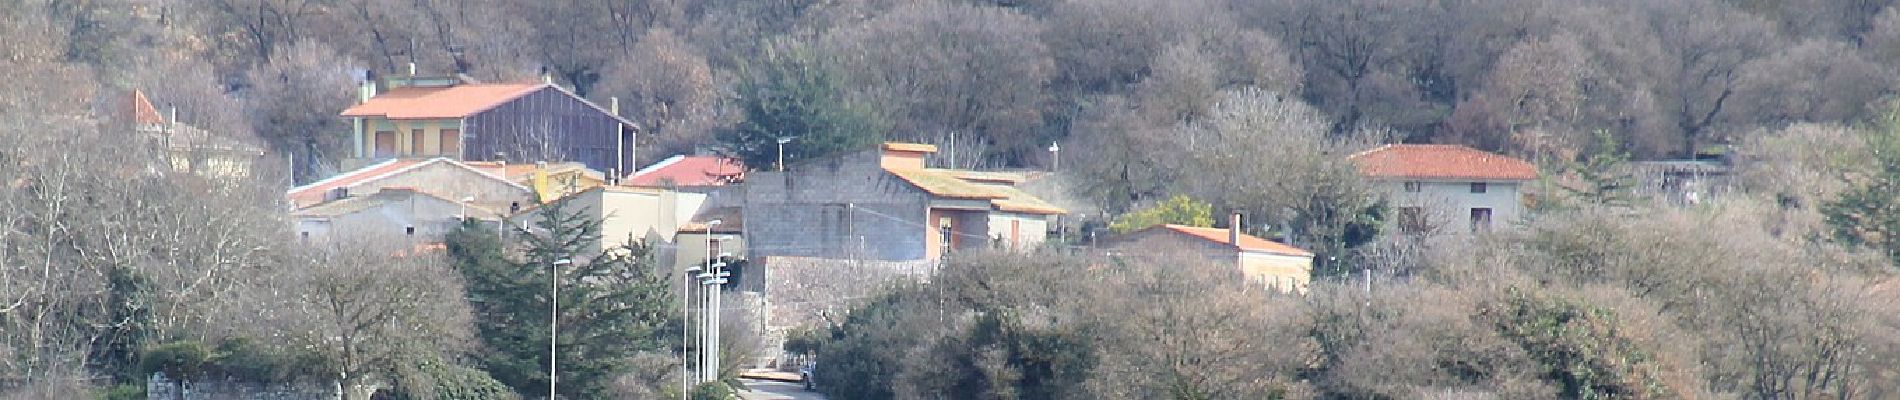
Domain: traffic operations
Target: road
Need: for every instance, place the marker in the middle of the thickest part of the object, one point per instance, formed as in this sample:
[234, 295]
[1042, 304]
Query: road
[775, 390]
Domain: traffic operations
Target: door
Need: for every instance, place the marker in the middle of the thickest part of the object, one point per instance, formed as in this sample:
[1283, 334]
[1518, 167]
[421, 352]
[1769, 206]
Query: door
[385, 144]
[452, 143]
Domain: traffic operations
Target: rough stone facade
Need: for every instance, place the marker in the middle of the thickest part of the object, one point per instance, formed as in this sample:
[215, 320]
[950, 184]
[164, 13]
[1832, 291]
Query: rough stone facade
[839, 208]
[805, 290]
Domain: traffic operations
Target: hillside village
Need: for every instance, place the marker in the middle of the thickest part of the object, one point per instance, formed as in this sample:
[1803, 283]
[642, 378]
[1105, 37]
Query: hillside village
[949, 199]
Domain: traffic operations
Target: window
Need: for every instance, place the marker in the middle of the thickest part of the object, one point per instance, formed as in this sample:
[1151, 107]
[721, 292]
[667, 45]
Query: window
[1412, 219]
[1480, 220]
[409, 230]
[415, 142]
[1015, 233]
[451, 143]
[303, 237]
[1413, 187]
[1478, 187]
[949, 239]
[385, 144]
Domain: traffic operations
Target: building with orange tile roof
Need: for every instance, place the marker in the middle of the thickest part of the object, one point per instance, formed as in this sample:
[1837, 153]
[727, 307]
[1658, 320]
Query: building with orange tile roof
[520, 123]
[1258, 260]
[1436, 188]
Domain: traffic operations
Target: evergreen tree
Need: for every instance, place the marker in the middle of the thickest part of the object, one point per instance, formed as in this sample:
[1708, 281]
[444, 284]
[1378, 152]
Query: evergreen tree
[613, 305]
[793, 94]
[1604, 178]
[1869, 214]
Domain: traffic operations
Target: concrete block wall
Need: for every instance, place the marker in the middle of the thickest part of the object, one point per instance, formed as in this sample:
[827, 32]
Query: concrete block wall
[845, 207]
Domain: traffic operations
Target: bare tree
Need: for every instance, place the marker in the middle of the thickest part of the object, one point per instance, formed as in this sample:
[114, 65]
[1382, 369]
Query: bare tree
[369, 306]
[952, 68]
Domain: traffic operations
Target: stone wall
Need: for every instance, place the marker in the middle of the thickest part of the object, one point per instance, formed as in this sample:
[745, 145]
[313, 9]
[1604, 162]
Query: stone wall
[803, 291]
[161, 388]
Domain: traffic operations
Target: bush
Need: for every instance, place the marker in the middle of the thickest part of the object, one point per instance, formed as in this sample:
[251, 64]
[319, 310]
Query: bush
[178, 360]
[714, 391]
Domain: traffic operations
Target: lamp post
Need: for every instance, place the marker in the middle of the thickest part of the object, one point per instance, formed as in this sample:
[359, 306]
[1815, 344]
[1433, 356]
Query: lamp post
[781, 157]
[714, 311]
[1055, 156]
[554, 323]
[707, 317]
[686, 322]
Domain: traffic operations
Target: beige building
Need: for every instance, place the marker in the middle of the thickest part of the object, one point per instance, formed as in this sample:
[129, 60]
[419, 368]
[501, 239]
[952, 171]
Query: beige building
[390, 212]
[1266, 262]
[439, 176]
[629, 213]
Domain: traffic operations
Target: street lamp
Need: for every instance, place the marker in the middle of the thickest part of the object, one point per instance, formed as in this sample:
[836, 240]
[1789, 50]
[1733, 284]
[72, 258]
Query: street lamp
[1055, 156]
[686, 318]
[781, 154]
[707, 317]
[714, 277]
[554, 323]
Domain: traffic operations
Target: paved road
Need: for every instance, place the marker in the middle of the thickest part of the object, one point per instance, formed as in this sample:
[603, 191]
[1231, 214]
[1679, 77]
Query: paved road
[774, 390]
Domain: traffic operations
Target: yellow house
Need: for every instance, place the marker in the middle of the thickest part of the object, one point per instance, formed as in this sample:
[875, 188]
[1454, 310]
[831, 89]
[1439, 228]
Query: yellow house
[1261, 261]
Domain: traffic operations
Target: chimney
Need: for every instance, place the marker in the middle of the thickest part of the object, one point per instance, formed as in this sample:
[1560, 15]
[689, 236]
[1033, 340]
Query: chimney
[1233, 229]
[171, 118]
[367, 91]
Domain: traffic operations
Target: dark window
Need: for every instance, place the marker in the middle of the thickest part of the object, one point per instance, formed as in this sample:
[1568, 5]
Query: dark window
[409, 230]
[1480, 220]
[1478, 187]
[949, 238]
[1413, 187]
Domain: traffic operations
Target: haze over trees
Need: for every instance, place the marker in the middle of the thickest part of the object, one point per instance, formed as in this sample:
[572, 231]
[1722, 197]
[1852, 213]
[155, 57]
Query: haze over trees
[111, 267]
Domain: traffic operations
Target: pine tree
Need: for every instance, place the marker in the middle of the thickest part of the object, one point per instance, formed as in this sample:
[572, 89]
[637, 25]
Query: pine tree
[613, 305]
[1604, 178]
[793, 94]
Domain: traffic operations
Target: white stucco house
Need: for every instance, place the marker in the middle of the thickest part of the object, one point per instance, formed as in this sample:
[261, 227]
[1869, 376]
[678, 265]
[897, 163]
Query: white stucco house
[1454, 189]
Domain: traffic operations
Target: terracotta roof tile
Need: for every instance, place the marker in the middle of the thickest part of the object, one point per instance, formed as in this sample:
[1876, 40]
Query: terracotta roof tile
[917, 147]
[1247, 242]
[1438, 161]
[689, 171]
[440, 102]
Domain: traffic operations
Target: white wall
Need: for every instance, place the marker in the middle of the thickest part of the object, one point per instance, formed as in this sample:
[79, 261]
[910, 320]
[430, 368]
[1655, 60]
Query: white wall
[1032, 229]
[1448, 204]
